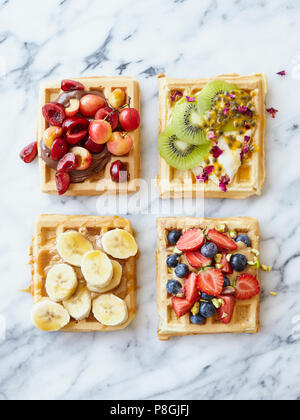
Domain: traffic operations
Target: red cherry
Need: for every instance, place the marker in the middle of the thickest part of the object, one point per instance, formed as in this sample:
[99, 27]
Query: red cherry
[118, 172]
[89, 104]
[93, 147]
[110, 116]
[59, 148]
[54, 113]
[75, 129]
[29, 153]
[63, 181]
[129, 119]
[70, 85]
[67, 163]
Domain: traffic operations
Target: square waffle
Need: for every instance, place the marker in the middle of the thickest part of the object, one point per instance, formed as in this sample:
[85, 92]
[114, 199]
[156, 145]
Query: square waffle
[249, 180]
[44, 254]
[98, 183]
[246, 313]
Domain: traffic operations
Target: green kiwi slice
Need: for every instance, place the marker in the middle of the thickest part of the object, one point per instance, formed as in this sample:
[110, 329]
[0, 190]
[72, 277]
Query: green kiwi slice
[179, 154]
[187, 123]
[205, 99]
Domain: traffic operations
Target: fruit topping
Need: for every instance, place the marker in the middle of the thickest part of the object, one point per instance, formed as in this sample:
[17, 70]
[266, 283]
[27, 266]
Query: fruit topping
[108, 115]
[129, 119]
[117, 98]
[120, 144]
[72, 246]
[229, 290]
[182, 270]
[62, 182]
[197, 260]
[173, 236]
[226, 310]
[186, 123]
[67, 163]
[238, 262]
[211, 282]
[70, 85]
[209, 250]
[174, 287]
[93, 147]
[227, 282]
[59, 148]
[191, 240]
[190, 288]
[75, 129]
[222, 241]
[181, 306]
[205, 296]
[225, 264]
[73, 108]
[83, 158]
[54, 113]
[100, 131]
[197, 319]
[173, 261]
[207, 309]
[119, 244]
[243, 238]
[247, 287]
[110, 310]
[118, 172]
[51, 134]
[29, 153]
[89, 104]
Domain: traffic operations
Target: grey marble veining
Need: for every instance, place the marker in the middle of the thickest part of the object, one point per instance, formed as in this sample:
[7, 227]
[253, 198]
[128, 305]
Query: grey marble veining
[51, 39]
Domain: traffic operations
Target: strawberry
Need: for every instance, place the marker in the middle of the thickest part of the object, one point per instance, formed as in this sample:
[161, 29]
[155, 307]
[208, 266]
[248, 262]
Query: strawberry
[247, 286]
[226, 266]
[190, 288]
[181, 306]
[225, 312]
[191, 240]
[197, 260]
[222, 241]
[211, 282]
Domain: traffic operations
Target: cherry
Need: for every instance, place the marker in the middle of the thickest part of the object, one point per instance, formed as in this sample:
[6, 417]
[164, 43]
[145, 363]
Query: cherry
[70, 85]
[118, 172]
[129, 119]
[54, 113]
[29, 153]
[110, 116]
[63, 181]
[67, 163]
[93, 147]
[75, 129]
[89, 104]
[59, 148]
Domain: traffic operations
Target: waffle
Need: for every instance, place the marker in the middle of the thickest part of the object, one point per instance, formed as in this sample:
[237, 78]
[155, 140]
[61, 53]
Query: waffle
[249, 181]
[44, 255]
[246, 313]
[98, 183]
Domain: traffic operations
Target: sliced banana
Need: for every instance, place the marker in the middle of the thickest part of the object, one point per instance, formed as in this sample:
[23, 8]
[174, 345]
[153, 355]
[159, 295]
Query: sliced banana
[110, 310]
[72, 246]
[115, 281]
[79, 306]
[97, 269]
[49, 316]
[61, 282]
[119, 244]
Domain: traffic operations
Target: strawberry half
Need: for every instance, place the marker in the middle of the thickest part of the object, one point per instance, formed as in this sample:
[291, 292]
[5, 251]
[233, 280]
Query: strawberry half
[225, 312]
[197, 260]
[191, 240]
[247, 287]
[190, 288]
[211, 282]
[226, 266]
[222, 241]
[181, 306]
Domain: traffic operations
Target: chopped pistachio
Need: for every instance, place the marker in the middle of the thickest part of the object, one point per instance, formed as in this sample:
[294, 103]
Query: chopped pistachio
[232, 234]
[216, 303]
[255, 252]
[176, 251]
[221, 228]
[228, 257]
[255, 263]
[224, 315]
[170, 271]
[273, 294]
[196, 308]
[266, 267]
[219, 266]
[218, 258]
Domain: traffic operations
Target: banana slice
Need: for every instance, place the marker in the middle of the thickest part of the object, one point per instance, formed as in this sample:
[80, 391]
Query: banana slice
[61, 282]
[119, 244]
[72, 246]
[110, 310]
[116, 280]
[97, 269]
[49, 316]
[79, 306]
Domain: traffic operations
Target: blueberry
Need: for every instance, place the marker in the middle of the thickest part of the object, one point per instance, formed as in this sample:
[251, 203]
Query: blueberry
[206, 297]
[174, 236]
[207, 309]
[173, 287]
[182, 270]
[238, 262]
[243, 238]
[197, 319]
[173, 261]
[209, 250]
[226, 282]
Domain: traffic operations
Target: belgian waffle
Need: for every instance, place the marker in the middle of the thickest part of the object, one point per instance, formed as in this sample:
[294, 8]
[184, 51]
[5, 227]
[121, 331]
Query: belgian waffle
[246, 313]
[173, 183]
[98, 183]
[44, 255]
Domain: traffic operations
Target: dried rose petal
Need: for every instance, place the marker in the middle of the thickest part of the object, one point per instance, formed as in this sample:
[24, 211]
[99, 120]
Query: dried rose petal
[224, 181]
[190, 99]
[245, 110]
[247, 126]
[231, 96]
[272, 112]
[176, 95]
[205, 174]
[216, 151]
[282, 73]
[211, 135]
[247, 139]
[226, 111]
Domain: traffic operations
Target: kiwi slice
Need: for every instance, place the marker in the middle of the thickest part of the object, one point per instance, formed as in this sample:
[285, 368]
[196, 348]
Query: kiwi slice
[179, 154]
[186, 123]
[205, 98]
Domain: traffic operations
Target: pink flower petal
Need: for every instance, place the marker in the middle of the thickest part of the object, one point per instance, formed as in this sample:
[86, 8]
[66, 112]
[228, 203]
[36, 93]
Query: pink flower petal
[282, 73]
[216, 151]
[224, 181]
[205, 174]
[272, 112]
[190, 99]
[176, 95]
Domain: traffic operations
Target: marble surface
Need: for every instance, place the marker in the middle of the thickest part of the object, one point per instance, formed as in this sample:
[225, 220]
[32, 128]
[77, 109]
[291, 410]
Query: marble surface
[47, 39]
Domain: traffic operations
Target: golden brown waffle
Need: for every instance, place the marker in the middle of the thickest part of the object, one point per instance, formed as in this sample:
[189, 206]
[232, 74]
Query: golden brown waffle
[98, 183]
[44, 255]
[173, 183]
[246, 313]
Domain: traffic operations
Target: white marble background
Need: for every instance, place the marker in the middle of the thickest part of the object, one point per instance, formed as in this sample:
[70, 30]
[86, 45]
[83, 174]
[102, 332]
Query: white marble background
[184, 38]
